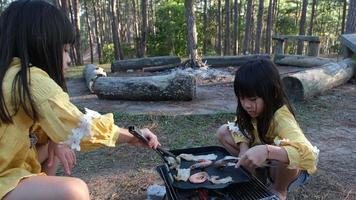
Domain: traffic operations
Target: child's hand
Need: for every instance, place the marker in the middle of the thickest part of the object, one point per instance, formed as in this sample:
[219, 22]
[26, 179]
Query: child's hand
[152, 139]
[65, 155]
[253, 157]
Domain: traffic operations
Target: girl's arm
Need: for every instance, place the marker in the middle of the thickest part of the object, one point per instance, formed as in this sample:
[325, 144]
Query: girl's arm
[277, 153]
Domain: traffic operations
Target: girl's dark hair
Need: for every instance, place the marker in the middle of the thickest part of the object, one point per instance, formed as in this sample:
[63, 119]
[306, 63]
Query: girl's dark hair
[259, 78]
[34, 31]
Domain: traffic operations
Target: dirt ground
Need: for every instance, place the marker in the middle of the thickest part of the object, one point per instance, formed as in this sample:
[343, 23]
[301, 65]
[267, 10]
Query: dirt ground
[329, 121]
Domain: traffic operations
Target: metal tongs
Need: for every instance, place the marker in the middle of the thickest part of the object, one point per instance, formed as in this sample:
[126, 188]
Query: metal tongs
[163, 153]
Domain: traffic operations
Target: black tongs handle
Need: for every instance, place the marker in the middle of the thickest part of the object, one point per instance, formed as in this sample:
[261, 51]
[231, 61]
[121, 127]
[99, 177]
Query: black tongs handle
[138, 134]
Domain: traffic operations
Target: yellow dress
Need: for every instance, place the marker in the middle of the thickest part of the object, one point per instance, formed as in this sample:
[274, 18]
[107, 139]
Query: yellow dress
[59, 120]
[285, 132]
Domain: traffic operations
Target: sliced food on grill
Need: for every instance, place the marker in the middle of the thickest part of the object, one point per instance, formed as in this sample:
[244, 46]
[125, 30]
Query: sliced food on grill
[216, 180]
[199, 177]
[201, 164]
[173, 163]
[226, 161]
[191, 157]
[182, 174]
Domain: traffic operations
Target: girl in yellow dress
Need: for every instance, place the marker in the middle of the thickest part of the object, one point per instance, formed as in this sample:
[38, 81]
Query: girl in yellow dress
[37, 120]
[265, 129]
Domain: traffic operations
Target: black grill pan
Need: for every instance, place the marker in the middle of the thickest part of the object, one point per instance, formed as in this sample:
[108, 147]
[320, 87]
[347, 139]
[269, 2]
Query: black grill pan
[239, 175]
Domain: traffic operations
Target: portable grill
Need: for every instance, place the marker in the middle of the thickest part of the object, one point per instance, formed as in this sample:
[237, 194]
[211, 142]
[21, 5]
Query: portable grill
[252, 189]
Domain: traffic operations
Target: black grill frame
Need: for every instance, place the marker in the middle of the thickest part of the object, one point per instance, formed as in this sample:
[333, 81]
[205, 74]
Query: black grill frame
[252, 190]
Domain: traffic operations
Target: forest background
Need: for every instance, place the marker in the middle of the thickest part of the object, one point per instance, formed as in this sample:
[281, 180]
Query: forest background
[120, 29]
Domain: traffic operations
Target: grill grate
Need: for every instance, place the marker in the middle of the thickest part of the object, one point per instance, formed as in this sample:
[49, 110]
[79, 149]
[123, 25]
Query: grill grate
[252, 190]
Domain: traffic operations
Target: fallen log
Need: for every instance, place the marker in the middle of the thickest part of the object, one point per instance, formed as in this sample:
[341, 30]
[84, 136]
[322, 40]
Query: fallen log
[177, 86]
[310, 82]
[139, 63]
[91, 73]
[300, 61]
[233, 61]
[159, 68]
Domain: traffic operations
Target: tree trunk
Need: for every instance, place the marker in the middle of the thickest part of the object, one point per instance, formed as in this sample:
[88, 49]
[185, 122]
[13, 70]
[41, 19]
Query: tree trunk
[205, 22]
[343, 16]
[139, 63]
[174, 86]
[64, 7]
[259, 26]
[136, 32]
[312, 16]
[227, 28]
[91, 73]
[268, 43]
[115, 32]
[351, 18]
[302, 26]
[89, 32]
[310, 82]
[143, 42]
[219, 28]
[247, 27]
[97, 32]
[76, 11]
[236, 28]
[192, 32]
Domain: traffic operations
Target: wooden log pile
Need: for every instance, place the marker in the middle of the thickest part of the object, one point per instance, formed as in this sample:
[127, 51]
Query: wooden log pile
[145, 63]
[176, 86]
[310, 82]
[232, 61]
[300, 61]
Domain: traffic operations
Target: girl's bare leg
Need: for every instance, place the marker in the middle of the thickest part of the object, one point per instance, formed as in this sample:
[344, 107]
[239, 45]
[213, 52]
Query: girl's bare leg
[49, 187]
[225, 138]
[43, 158]
[282, 177]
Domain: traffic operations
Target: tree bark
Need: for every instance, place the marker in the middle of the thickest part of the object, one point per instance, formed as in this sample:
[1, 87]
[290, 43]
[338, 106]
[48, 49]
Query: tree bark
[76, 10]
[139, 63]
[174, 86]
[97, 32]
[311, 82]
[91, 73]
[64, 7]
[227, 28]
[191, 31]
[219, 47]
[205, 22]
[236, 28]
[351, 18]
[259, 26]
[302, 26]
[89, 31]
[143, 42]
[312, 16]
[233, 61]
[246, 40]
[343, 16]
[136, 32]
[268, 43]
[115, 32]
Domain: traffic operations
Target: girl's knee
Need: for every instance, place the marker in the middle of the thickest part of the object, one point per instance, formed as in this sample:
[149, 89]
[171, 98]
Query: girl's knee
[76, 189]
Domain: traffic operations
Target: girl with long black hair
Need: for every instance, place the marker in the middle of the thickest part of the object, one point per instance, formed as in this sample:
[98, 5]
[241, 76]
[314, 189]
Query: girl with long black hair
[265, 129]
[37, 120]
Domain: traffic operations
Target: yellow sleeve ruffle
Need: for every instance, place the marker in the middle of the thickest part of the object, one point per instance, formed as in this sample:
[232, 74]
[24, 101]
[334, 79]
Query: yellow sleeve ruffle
[301, 153]
[65, 123]
[236, 133]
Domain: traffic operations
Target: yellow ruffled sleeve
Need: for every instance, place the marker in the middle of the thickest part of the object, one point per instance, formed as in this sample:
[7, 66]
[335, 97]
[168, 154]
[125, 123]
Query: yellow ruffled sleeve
[301, 153]
[65, 123]
[236, 133]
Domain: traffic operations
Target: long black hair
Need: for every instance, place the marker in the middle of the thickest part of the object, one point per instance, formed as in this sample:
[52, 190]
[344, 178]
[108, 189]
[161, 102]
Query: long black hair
[259, 78]
[34, 31]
